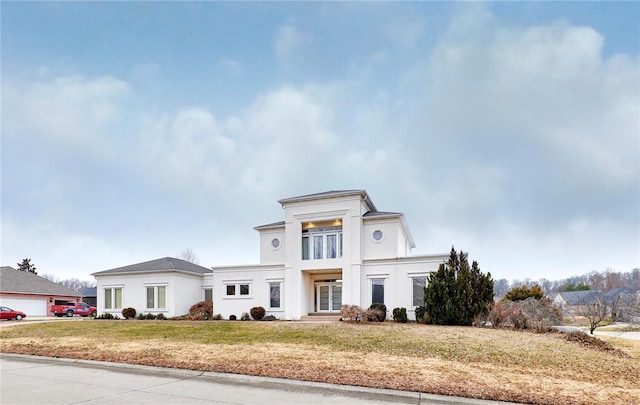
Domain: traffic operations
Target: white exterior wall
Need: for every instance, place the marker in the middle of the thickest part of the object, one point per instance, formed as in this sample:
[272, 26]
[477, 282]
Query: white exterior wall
[258, 278]
[346, 209]
[387, 246]
[182, 291]
[268, 253]
[397, 275]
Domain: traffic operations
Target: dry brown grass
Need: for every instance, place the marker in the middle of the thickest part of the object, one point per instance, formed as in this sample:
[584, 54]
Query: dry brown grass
[479, 363]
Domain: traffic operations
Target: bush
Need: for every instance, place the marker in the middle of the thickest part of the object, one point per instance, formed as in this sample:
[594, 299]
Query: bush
[141, 316]
[421, 314]
[106, 315]
[245, 317]
[498, 315]
[161, 317]
[377, 312]
[150, 316]
[351, 313]
[204, 308]
[129, 313]
[217, 317]
[524, 292]
[400, 315]
[531, 313]
[232, 317]
[257, 313]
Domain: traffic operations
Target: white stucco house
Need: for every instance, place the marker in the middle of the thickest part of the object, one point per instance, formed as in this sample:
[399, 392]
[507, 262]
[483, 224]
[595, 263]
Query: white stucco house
[332, 248]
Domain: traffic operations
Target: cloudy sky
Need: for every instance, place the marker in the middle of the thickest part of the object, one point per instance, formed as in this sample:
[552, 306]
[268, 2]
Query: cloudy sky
[133, 131]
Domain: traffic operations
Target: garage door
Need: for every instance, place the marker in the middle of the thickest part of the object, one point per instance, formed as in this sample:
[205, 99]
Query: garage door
[30, 306]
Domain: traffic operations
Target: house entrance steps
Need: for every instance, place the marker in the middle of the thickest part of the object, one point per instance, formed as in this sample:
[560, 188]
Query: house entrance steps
[320, 317]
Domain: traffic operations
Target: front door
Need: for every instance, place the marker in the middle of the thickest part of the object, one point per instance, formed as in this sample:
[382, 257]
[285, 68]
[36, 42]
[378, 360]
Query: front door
[329, 297]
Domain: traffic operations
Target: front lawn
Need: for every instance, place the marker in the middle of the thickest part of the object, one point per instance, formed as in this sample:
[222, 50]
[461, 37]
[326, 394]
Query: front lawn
[473, 362]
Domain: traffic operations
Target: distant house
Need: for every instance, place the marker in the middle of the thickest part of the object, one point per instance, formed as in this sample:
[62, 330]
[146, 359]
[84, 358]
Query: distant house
[30, 293]
[332, 248]
[621, 303]
[89, 296]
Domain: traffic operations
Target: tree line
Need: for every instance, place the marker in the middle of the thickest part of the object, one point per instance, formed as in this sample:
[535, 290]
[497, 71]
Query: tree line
[595, 280]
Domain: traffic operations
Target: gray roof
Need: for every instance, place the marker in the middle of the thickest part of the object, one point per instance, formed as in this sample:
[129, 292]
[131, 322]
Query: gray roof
[374, 214]
[89, 292]
[17, 281]
[611, 296]
[278, 224]
[331, 194]
[579, 297]
[166, 263]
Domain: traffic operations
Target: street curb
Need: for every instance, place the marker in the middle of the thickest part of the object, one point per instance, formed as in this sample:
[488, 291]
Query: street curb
[266, 382]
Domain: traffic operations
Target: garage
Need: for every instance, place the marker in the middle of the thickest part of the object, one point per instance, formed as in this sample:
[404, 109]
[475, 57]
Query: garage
[30, 306]
[30, 293]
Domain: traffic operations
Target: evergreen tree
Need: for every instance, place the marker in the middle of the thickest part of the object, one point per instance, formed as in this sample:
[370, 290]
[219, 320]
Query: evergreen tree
[456, 293]
[27, 266]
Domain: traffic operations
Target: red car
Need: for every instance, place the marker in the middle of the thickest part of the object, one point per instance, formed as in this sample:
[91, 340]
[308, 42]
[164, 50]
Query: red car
[8, 313]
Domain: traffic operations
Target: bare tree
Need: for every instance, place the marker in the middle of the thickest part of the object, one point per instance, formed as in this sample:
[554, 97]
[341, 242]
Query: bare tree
[190, 256]
[595, 312]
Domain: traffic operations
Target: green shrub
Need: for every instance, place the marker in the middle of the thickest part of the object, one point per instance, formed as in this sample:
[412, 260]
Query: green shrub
[129, 313]
[202, 308]
[400, 315]
[257, 313]
[245, 317]
[161, 317]
[377, 312]
[421, 313]
[150, 316]
[142, 316]
[522, 293]
[216, 317]
[106, 315]
[232, 317]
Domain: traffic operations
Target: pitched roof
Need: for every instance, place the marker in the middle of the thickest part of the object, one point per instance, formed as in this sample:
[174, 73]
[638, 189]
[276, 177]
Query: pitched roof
[374, 214]
[166, 263]
[17, 281]
[89, 291]
[579, 297]
[278, 224]
[331, 194]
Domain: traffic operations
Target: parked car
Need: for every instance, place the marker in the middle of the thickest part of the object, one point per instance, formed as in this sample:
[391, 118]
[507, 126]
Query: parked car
[8, 313]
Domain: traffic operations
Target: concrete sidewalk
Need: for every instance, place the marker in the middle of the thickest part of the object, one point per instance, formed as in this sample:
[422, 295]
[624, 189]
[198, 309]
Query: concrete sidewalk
[43, 380]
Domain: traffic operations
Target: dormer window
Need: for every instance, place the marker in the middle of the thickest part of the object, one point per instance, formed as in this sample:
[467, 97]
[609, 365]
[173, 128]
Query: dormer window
[322, 240]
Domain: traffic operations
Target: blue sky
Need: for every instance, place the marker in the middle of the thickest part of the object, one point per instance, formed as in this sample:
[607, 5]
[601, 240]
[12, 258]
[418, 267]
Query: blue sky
[136, 130]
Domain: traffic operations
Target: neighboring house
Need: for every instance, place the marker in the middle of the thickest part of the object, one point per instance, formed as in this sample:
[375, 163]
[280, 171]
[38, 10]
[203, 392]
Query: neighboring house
[30, 293]
[89, 296]
[624, 303]
[621, 303]
[168, 286]
[332, 248]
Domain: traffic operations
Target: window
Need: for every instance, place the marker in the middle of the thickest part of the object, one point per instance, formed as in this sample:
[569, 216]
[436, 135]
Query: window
[418, 284]
[274, 295]
[377, 291]
[324, 242]
[208, 294]
[157, 297]
[244, 289]
[231, 289]
[113, 298]
[239, 289]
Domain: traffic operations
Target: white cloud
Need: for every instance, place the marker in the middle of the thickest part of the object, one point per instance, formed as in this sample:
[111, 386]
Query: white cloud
[74, 110]
[287, 40]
